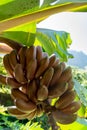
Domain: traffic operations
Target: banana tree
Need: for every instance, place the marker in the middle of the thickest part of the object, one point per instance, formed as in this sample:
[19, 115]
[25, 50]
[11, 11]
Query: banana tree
[18, 29]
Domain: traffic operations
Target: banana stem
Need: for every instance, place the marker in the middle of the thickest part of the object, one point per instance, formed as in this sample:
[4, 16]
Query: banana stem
[37, 16]
[4, 49]
[52, 122]
[13, 44]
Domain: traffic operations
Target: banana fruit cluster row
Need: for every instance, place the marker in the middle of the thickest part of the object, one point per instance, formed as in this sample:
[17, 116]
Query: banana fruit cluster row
[35, 79]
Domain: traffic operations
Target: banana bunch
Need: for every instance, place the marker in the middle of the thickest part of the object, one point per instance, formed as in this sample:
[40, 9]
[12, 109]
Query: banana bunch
[35, 79]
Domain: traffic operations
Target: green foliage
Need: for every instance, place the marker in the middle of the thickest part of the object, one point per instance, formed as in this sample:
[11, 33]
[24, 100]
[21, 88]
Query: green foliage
[11, 123]
[34, 126]
[3, 88]
[54, 42]
[63, 1]
[73, 126]
[42, 121]
[82, 92]
[2, 70]
[24, 34]
[80, 75]
[51, 41]
[80, 79]
[14, 8]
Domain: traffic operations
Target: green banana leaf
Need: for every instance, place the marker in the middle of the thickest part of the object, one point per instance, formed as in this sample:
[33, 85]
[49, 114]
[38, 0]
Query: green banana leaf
[51, 41]
[82, 92]
[14, 8]
[82, 121]
[10, 10]
[24, 34]
[54, 42]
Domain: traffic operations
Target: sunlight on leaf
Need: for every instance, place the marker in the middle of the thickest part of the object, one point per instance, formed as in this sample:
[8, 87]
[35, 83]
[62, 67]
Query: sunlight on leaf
[2, 109]
[82, 111]
[24, 34]
[73, 126]
[34, 126]
[14, 8]
[54, 42]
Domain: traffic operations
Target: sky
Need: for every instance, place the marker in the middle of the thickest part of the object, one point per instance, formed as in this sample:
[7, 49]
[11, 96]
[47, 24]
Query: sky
[73, 23]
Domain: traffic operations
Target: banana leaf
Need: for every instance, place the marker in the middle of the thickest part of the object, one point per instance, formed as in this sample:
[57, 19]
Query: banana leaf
[16, 12]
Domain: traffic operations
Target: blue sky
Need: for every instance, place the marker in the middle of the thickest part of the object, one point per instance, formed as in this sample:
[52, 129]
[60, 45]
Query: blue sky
[74, 23]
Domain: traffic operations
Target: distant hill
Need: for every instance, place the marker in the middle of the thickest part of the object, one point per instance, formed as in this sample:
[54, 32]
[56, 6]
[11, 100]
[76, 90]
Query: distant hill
[79, 60]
